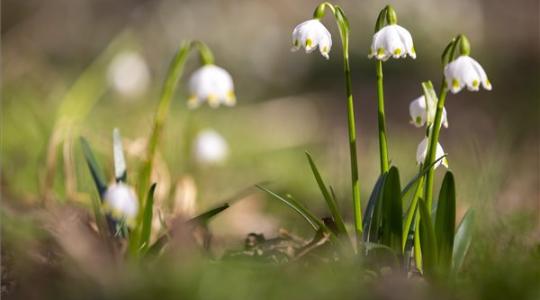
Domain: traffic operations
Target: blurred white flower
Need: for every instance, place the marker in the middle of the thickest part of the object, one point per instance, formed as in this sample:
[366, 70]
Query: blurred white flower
[421, 153]
[419, 112]
[121, 202]
[213, 84]
[210, 147]
[465, 71]
[392, 41]
[311, 34]
[128, 74]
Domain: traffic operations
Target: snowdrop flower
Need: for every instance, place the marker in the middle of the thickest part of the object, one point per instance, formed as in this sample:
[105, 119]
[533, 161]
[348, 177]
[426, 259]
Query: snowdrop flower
[392, 41]
[311, 34]
[419, 112]
[128, 74]
[121, 202]
[421, 153]
[210, 147]
[465, 71]
[213, 84]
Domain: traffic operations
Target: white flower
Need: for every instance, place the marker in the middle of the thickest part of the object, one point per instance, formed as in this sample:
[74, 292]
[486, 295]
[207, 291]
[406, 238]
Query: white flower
[419, 112]
[465, 71]
[392, 41]
[213, 84]
[128, 74]
[121, 202]
[421, 153]
[210, 147]
[311, 34]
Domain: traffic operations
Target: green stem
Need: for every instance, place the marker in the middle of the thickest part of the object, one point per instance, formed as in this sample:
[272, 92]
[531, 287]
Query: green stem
[176, 69]
[432, 149]
[343, 25]
[352, 146]
[383, 146]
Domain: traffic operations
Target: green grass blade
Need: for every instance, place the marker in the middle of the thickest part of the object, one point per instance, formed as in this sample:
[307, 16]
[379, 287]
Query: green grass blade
[205, 217]
[371, 216]
[462, 240]
[297, 207]
[330, 201]
[420, 174]
[95, 169]
[147, 218]
[392, 211]
[411, 212]
[428, 241]
[445, 222]
[120, 172]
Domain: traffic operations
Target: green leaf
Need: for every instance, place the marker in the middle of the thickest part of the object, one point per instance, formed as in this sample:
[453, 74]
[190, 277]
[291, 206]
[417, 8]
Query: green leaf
[342, 20]
[420, 174]
[297, 207]
[392, 211]
[431, 100]
[411, 212]
[445, 222]
[95, 169]
[147, 218]
[371, 218]
[119, 160]
[462, 240]
[205, 217]
[330, 200]
[428, 241]
[375, 222]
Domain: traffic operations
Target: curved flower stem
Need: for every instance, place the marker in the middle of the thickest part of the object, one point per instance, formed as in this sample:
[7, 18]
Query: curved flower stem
[383, 146]
[343, 26]
[176, 69]
[433, 140]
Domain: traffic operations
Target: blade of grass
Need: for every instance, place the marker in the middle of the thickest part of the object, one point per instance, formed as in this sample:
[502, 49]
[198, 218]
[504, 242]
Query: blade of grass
[330, 201]
[120, 171]
[411, 211]
[206, 216]
[462, 240]
[297, 207]
[420, 174]
[445, 222]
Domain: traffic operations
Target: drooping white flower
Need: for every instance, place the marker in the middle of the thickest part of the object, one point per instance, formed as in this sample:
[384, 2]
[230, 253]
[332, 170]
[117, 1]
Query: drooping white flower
[392, 41]
[213, 84]
[422, 112]
[421, 153]
[311, 34]
[128, 74]
[210, 147]
[465, 71]
[121, 202]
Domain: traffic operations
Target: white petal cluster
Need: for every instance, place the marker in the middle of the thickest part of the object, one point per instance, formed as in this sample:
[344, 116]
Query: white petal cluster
[422, 112]
[128, 74]
[392, 41]
[465, 71]
[311, 34]
[421, 153]
[210, 147]
[121, 201]
[213, 84]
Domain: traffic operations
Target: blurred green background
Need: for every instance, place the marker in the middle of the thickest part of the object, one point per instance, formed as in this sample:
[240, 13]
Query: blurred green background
[287, 102]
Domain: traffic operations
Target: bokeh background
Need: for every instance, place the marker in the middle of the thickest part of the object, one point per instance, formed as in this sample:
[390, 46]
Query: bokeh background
[58, 68]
